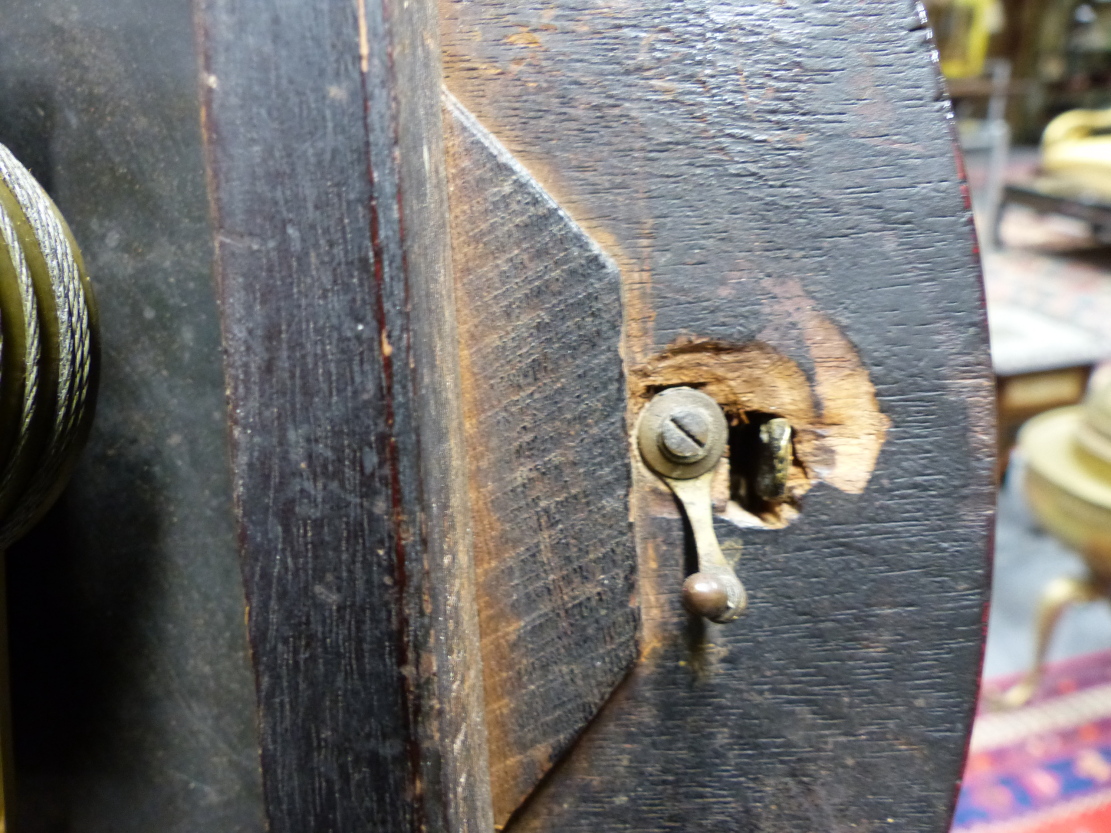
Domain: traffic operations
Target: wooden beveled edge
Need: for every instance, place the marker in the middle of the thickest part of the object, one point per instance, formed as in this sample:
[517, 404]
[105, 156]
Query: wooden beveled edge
[396, 43]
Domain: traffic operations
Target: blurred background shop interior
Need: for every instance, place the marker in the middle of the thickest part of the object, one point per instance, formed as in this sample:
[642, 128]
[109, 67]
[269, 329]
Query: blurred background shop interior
[1030, 83]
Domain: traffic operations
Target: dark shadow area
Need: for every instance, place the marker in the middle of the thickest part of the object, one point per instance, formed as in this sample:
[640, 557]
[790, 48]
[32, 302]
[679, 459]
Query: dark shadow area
[27, 120]
[750, 462]
[746, 457]
[133, 700]
[71, 665]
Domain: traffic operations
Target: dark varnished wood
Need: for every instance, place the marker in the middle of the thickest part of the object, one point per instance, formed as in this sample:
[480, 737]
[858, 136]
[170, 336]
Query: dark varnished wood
[770, 191]
[324, 140]
[776, 184]
[539, 308]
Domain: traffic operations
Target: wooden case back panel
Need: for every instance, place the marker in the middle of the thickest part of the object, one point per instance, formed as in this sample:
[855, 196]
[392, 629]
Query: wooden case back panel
[776, 184]
[755, 198]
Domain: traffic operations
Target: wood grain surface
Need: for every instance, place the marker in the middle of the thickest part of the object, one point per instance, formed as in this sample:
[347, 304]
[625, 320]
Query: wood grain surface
[775, 181]
[324, 138]
[539, 309]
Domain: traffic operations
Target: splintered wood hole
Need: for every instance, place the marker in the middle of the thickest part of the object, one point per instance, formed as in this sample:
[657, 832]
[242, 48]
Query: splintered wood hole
[836, 425]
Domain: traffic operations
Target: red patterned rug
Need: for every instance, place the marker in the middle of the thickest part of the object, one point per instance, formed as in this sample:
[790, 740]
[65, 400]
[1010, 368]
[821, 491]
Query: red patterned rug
[1046, 767]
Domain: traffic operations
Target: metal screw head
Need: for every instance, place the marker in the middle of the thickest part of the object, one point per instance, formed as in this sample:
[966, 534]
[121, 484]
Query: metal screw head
[684, 434]
[681, 433]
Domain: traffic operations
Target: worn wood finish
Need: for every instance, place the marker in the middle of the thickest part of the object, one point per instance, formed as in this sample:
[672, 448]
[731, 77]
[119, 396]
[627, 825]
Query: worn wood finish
[324, 139]
[774, 180]
[539, 309]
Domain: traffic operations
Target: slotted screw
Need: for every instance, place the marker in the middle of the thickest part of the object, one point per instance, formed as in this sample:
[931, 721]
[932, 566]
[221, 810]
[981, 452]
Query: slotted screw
[684, 435]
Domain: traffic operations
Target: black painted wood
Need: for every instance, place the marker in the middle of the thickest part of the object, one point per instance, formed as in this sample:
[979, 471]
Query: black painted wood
[774, 180]
[326, 161]
[539, 311]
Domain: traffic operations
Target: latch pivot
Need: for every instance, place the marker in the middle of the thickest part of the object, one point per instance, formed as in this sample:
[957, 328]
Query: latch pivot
[682, 434]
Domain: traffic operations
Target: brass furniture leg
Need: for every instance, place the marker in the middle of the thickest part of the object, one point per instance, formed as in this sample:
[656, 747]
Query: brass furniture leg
[1058, 594]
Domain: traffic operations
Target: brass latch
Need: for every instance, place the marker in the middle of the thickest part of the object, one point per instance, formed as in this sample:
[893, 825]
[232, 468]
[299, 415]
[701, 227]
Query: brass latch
[682, 434]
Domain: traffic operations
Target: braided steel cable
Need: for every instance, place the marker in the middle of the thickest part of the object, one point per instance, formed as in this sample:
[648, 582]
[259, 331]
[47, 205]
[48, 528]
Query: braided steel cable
[20, 351]
[48, 350]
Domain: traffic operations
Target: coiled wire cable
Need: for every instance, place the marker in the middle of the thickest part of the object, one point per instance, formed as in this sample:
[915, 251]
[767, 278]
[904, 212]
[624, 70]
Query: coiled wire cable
[48, 350]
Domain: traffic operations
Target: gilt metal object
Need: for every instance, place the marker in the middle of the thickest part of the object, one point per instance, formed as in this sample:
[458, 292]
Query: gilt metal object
[682, 434]
[48, 328]
[1068, 487]
[775, 460]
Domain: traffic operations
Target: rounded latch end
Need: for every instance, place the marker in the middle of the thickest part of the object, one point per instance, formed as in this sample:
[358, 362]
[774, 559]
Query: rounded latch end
[718, 597]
